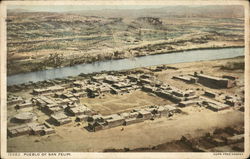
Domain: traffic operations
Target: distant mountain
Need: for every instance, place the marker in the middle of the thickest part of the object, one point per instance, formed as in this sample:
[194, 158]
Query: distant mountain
[18, 10]
[172, 11]
[212, 11]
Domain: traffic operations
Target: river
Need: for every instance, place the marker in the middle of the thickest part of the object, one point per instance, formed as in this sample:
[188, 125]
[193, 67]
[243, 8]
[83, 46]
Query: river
[123, 64]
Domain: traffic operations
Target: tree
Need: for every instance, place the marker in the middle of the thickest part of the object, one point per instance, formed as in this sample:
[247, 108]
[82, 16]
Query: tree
[54, 60]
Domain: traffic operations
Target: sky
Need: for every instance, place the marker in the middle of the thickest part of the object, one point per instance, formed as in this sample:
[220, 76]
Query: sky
[66, 8]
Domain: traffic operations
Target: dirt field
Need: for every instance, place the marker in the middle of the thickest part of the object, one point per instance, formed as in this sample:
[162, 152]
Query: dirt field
[73, 138]
[110, 104]
[216, 141]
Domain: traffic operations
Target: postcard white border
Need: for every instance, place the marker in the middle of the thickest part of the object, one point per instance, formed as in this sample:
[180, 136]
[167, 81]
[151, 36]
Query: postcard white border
[3, 49]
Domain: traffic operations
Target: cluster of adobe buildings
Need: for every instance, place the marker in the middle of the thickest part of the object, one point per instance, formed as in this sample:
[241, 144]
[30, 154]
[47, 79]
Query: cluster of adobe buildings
[61, 103]
[99, 122]
[28, 125]
[207, 80]
[212, 100]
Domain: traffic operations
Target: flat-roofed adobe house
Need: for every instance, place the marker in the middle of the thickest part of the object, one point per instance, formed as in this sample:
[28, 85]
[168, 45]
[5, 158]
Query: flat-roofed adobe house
[115, 120]
[215, 82]
[60, 119]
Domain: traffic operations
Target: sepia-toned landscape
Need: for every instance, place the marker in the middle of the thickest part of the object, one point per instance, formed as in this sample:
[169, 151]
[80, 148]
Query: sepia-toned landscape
[134, 79]
[41, 40]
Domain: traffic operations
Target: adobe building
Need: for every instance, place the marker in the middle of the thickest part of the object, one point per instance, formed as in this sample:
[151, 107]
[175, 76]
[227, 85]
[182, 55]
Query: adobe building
[19, 130]
[130, 121]
[186, 78]
[133, 78]
[115, 120]
[24, 104]
[162, 111]
[146, 115]
[51, 89]
[41, 129]
[60, 119]
[215, 82]
[30, 129]
[80, 84]
[97, 118]
[96, 126]
[111, 79]
[42, 101]
[82, 117]
[98, 78]
[188, 103]
[93, 91]
[172, 108]
[14, 100]
[67, 95]
[104, 88]
[214, 105]
[210, 94]
[233, 101]
[52, 108]
[24, 117]
[40, 91]
[148, 88]
[79, 110]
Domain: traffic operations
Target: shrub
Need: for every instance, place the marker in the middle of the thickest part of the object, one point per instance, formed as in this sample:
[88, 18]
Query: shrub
[233, 66]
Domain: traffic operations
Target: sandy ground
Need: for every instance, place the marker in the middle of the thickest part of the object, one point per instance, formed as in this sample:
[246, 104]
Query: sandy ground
[110, 104]
[208, 67]
[73, 138]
